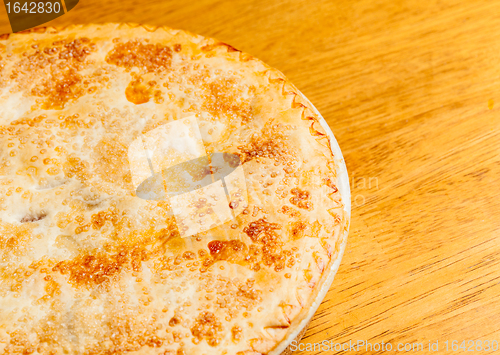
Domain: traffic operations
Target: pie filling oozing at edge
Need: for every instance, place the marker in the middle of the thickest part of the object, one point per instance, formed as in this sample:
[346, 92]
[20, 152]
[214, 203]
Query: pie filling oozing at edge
[86, 266]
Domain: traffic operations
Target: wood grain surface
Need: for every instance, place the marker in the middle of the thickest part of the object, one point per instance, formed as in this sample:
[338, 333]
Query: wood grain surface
[411, 89]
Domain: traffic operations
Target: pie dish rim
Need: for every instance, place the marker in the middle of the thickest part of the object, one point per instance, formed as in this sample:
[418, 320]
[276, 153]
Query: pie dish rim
[283, 348]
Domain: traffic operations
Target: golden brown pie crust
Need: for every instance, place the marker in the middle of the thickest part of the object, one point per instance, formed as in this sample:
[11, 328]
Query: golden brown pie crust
[87, 267]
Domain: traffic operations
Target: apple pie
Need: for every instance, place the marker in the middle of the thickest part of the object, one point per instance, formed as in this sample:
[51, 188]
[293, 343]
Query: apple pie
[160, 193]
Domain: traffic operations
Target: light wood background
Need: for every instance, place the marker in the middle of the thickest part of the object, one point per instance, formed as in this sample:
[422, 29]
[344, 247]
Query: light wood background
[411, 89]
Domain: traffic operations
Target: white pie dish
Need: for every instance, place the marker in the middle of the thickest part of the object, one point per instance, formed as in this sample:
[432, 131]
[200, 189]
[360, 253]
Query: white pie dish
[345, 191]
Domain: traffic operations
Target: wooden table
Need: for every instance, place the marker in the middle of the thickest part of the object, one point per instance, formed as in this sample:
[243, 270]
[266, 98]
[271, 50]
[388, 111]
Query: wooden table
[411, 90]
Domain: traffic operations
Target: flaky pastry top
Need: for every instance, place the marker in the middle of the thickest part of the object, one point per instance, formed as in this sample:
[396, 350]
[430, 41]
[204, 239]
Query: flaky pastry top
[86, 266]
